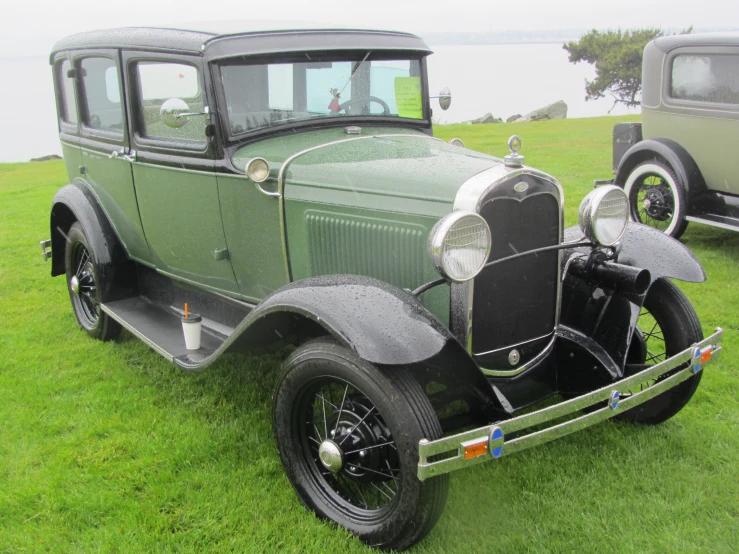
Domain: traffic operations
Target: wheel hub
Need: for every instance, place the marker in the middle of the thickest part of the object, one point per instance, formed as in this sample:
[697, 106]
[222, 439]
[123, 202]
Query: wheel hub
[330, 455]
[74, 284]
[656, 205]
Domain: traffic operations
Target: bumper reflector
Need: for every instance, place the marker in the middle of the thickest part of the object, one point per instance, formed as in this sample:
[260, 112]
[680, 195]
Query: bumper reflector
[475, 448]
[700, 357]
[496, 442]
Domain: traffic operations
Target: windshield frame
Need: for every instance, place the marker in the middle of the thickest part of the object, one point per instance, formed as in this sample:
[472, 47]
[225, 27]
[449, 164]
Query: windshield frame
[319, 122]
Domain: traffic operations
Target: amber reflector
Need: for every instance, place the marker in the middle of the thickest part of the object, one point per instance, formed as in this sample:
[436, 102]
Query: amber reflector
[475, 450]
[706, 355]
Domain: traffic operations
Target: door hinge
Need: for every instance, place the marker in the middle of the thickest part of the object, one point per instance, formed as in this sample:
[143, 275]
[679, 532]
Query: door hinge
[221, 254]
[83, 170]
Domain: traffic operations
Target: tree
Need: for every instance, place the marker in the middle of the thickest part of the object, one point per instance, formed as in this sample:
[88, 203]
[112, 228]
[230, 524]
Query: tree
[617, 57]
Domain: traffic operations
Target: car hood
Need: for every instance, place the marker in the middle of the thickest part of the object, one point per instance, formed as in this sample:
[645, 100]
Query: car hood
[341, 168]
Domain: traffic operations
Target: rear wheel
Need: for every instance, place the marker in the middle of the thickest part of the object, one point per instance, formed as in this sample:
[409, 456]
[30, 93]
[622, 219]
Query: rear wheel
[656, 198]
[348, 437]
[666, 326]
[83, 284]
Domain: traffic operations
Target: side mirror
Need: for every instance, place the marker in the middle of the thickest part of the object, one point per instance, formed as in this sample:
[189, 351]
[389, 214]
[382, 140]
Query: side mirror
[445, 98]
[175, 113]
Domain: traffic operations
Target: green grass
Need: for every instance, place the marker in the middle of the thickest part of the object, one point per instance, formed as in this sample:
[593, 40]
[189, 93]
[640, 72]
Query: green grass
[107, 447]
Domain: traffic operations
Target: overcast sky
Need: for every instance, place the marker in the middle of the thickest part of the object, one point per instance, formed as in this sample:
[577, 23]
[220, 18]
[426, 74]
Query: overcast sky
[30, 27]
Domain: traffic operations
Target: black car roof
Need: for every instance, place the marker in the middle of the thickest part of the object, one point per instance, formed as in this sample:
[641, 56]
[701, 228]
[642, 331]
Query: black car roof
[215, 44]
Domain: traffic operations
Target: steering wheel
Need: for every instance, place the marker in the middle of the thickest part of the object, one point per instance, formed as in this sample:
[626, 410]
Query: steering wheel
[380, 101]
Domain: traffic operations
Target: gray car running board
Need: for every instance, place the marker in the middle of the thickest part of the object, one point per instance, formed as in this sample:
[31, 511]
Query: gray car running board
[161, 329]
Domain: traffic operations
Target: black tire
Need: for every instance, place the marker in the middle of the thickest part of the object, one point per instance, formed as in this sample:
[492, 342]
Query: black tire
[656, 197]
[80, 263]
[674, 320]
[396, 415]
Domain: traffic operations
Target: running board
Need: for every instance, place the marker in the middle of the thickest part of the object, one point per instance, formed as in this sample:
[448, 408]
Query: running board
[161, 329]
[723, 222]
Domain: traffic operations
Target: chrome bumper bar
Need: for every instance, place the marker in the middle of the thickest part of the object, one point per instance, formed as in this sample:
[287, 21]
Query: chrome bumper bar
[486, 443]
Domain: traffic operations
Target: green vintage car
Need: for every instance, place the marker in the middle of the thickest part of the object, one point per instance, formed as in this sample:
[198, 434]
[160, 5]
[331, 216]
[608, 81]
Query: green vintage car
[260, 191]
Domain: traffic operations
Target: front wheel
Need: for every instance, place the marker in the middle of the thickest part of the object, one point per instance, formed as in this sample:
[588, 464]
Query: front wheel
[656, 198]
[667, 325]
[348, 437]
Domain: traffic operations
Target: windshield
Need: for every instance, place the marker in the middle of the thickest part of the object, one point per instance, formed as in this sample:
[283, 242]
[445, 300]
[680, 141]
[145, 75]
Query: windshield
[260, 95]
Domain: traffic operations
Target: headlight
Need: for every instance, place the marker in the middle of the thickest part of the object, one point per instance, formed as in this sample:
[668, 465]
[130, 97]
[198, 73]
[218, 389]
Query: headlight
[459, 245]
[603, 215]
[257, 170]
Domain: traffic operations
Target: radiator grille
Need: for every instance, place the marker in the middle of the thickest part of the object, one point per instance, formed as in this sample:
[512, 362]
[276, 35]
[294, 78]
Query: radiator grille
[516, 301]
[388, 251]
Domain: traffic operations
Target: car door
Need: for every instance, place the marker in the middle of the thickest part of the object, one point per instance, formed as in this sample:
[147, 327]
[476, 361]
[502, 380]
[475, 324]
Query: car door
[701, 111]
[174, 171]
[104, 145]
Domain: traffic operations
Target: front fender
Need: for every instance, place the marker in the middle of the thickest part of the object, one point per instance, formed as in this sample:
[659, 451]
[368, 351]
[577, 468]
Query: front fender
[608, 318]
[383, 324]
[647, 248]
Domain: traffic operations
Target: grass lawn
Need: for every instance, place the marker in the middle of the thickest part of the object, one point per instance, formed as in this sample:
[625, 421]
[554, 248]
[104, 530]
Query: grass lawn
[107, 447]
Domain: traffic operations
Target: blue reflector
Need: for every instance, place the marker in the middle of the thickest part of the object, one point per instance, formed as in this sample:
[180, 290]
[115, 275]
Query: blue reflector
[496, 442]
[696, 360]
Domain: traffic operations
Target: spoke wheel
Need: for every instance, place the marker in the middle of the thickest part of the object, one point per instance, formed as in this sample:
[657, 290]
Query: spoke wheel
[351, 447]
[656, 198]
[84, 288]
[84, 285]
[348, 434]
[667, 325]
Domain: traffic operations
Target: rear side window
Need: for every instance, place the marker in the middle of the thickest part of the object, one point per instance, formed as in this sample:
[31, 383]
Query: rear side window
[65, 91]
[706, 78]
[159, 82]
[102, 96]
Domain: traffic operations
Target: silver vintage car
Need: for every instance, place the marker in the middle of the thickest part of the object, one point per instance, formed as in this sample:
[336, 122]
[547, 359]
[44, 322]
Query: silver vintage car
[679, 164]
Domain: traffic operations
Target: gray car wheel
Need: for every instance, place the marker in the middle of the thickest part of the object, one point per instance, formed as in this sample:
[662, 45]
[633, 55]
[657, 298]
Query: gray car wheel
[656, 198]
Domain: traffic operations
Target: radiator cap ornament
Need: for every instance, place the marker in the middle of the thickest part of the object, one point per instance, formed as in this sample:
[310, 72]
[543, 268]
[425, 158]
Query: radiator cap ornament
[514, 159]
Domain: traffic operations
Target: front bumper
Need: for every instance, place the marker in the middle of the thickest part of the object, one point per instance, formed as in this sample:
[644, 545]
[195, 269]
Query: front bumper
[489, 442]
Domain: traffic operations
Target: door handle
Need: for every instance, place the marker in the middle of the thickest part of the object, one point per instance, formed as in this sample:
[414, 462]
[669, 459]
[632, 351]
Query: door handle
[121, 155]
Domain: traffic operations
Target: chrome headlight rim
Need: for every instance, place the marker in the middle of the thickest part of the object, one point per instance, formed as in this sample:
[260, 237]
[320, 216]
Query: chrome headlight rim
[588, 214]
[439, 234]
[251, 171]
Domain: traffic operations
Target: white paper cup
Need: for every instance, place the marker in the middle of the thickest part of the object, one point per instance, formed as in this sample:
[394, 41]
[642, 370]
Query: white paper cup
[191, 328]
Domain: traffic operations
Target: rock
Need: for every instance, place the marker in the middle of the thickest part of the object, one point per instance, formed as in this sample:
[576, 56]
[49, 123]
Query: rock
[513, 118]
[487, 118]
[558, 110]
[46, 158]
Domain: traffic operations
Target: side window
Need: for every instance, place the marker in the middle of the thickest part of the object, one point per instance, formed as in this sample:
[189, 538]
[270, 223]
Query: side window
[65, 88]
[102, 97]
[159, 82]
[706, 78]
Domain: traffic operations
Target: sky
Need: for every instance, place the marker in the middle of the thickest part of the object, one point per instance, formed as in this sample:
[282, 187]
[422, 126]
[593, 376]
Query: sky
[30, 27]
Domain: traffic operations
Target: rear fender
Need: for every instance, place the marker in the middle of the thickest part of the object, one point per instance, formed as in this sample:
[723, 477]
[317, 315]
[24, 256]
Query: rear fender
[116, 273]
[669, 151]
